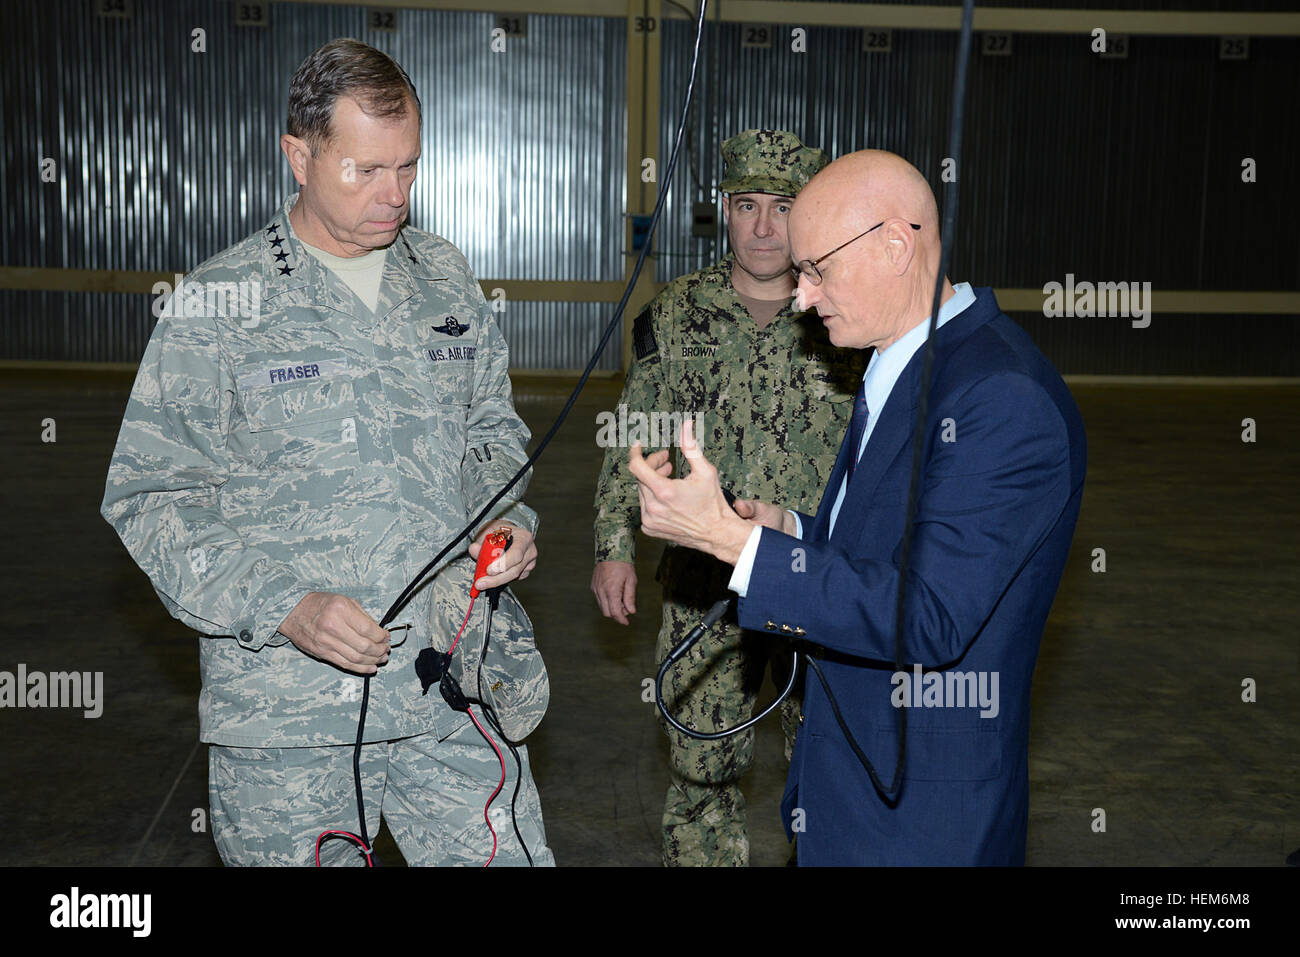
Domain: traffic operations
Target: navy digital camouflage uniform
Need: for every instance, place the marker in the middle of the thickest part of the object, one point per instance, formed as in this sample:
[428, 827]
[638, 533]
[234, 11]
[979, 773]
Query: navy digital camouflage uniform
[317, 446]
[773, 404]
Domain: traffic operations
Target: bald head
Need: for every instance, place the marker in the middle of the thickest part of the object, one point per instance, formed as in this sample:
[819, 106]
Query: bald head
[878, 286]
[861, 189]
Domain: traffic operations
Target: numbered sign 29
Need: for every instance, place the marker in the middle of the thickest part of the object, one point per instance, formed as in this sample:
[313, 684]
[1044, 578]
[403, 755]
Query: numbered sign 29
[757, 36]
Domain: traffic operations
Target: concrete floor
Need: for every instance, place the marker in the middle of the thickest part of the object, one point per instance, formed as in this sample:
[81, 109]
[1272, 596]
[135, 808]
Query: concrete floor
[1137, 700]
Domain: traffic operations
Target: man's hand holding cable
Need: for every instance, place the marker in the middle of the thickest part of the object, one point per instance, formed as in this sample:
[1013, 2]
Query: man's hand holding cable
[517, 562]
[337, 630]
[690, 511]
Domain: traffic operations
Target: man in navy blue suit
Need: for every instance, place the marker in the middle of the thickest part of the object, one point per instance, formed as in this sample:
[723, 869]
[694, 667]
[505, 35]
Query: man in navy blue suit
[1001, 481]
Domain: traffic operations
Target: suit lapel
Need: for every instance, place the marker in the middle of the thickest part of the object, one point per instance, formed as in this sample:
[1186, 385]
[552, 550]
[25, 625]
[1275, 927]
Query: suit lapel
[890, 435]
[821, 522]
[893, 430]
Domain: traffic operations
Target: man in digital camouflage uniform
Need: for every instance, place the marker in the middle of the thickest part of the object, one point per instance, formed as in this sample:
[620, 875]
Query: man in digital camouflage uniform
[770, 397]
[290, 459]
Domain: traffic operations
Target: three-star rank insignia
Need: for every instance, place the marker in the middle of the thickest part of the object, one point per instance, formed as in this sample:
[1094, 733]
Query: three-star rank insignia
[451, 327]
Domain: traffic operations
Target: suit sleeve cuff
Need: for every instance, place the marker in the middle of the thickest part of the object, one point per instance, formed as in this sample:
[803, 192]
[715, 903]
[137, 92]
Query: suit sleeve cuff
[745, 563]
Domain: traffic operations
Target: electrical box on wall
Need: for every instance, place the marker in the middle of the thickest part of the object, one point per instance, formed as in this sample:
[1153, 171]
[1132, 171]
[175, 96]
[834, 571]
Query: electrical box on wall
[704, 220]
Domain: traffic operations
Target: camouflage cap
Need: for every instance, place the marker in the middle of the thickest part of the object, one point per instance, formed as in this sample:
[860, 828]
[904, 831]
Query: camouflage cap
[768, 161]
[505, 664]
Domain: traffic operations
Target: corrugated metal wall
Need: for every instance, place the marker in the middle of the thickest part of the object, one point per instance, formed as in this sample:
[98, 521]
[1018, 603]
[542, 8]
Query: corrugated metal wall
[1110, 170]
[166, 156]
[1210, 6]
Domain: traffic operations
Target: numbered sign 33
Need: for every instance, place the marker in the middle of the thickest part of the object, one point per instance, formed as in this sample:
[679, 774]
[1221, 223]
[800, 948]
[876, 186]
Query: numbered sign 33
[252, 14]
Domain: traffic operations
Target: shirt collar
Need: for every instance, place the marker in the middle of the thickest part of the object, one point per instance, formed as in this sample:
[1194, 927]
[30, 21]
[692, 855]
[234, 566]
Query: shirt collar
[286, 265]
[887, 365]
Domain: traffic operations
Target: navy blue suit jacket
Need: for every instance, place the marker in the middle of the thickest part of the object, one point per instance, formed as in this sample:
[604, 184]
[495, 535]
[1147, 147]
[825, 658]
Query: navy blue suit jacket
[999, 497]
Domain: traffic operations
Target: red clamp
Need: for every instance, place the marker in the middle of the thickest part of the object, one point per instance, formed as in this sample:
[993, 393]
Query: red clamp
[494, 547]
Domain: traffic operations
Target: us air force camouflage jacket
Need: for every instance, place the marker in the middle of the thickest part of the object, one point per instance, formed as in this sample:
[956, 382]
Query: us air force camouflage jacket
[770, 405]
[311, 445]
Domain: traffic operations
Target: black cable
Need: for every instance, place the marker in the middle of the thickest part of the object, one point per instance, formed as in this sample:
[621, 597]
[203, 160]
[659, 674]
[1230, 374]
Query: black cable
[710, 619]
[356, 763]
[918, 432]
[495, 724]
[889, 793]
[416, 582]
[494, 595]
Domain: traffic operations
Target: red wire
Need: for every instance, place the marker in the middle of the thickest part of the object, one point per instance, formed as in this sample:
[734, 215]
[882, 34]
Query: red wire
[348, 834]
[361, 844]
[462, 630]
[499, 785]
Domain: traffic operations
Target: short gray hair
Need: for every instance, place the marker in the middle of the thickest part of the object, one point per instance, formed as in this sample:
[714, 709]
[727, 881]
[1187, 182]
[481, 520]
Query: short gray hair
[346, 67]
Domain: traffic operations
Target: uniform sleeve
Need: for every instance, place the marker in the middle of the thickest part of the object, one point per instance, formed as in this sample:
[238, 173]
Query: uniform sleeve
[496, 438]
[618, 509]
[163, 488]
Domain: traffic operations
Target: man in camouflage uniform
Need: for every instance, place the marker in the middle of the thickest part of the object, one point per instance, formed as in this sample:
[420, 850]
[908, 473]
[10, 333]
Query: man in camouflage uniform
[770, 397]
[284, 468]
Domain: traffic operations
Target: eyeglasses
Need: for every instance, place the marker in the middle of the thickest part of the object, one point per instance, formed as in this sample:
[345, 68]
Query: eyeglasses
[808, 267]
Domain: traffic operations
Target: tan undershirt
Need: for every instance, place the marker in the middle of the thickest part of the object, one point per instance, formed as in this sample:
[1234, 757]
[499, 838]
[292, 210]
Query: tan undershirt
[762, 311]
[363, 274]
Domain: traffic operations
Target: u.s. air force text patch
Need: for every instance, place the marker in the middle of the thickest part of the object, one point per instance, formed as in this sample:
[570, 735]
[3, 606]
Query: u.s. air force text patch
[448, 353]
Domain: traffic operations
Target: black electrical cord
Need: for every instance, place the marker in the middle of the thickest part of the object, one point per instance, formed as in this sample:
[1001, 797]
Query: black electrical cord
[891, 792]
[710, 619]
[494, 597]
[417, 582]
[927, 363]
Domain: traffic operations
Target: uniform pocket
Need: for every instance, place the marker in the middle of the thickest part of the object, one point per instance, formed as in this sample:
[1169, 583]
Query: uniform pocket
[451, 381]
[308, 424]
[295, 406]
